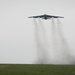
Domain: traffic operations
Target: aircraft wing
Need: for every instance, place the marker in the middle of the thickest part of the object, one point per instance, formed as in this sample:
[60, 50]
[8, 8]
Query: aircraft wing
[36, 16]
[55, 16]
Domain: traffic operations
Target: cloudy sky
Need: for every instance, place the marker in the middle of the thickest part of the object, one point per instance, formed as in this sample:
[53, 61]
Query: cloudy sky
[17, 42]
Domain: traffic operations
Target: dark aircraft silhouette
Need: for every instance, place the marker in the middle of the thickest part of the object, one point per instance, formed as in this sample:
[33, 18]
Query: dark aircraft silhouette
[45, 16]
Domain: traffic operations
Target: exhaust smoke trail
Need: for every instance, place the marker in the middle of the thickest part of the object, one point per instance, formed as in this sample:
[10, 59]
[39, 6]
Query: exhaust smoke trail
[64, 49]
[56, 52]
[53, 29]
[43, 33]
[61, 51]
[54, 40]
[41, 42]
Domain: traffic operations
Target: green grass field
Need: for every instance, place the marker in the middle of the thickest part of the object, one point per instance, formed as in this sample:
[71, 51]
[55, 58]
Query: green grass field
[24, 69]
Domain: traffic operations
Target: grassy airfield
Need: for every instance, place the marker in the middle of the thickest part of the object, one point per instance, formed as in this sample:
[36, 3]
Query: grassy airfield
[33, 69]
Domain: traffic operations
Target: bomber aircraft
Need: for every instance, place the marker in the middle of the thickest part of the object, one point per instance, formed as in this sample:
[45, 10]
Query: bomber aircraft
[45, 16]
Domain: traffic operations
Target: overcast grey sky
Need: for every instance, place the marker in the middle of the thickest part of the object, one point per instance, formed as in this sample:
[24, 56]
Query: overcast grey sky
[17, 42]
